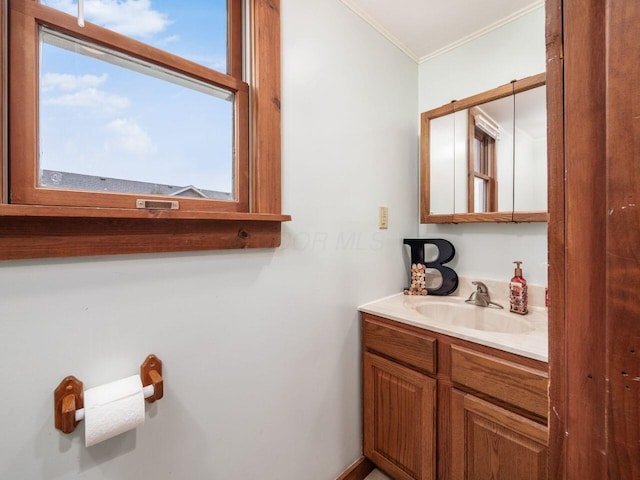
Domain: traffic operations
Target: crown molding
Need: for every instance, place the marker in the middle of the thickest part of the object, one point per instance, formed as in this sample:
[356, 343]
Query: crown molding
[411, 54]
[483, 31]
[382, 30]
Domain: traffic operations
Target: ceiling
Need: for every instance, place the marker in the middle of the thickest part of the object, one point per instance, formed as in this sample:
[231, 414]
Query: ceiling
[426, 28]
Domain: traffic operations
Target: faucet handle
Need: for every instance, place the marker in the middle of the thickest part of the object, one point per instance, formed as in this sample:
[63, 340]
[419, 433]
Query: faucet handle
[481, 296]
[481, 287]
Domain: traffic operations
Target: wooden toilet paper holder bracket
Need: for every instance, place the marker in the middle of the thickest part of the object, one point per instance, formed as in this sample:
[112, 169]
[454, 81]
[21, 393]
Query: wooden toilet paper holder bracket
[151, 374]
[68, 397]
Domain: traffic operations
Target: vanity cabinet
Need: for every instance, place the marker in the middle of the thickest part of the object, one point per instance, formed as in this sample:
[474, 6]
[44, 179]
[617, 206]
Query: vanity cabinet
[490, 442]
[400, 419]
[399, 401]
[438, 407]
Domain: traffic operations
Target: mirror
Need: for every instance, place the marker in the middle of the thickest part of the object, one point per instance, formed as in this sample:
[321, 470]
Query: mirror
[483, 159]
[530, 161]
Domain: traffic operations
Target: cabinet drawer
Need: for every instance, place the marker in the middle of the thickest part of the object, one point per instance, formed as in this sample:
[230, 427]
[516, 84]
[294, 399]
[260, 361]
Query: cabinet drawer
[415, 349]
[515, 384]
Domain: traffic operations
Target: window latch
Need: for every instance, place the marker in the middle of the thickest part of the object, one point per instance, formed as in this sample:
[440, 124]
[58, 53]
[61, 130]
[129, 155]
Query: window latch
[157, 204]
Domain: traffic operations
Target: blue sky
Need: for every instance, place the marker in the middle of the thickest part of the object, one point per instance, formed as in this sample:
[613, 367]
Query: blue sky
[101, 119]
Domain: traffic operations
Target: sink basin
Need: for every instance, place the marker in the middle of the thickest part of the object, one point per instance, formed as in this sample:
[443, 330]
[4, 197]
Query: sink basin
[473, 317]
[524, 335]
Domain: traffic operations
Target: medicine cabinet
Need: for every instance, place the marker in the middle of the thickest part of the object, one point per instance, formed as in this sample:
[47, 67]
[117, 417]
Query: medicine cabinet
[484, 158]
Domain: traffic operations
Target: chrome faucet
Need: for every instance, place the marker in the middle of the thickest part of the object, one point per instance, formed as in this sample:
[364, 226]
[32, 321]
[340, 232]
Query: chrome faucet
[481, 296]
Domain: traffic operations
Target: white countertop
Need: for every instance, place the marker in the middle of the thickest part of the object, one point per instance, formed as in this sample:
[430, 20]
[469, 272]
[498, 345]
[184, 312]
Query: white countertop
[530, 339]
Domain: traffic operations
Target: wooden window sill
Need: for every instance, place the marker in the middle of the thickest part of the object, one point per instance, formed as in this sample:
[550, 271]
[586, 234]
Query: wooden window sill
[47, 232]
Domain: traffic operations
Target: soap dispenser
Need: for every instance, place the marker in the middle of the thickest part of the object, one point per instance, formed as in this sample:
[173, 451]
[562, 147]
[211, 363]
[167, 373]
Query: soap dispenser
[518, 292]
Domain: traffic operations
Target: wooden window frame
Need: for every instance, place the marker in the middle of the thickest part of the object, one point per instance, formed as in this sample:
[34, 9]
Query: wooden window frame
[488, 172]
[254, 221]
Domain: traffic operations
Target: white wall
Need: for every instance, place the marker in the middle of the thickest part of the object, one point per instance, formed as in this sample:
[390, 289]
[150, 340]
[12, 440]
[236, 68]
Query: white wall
[261, 348]
[513, 51]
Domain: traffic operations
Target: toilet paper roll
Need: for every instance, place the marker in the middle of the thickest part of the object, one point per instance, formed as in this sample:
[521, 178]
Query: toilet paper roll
[112, 409]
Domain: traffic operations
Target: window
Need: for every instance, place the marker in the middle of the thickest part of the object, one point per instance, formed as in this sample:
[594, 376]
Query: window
[142, 115]
[482, 184]
[155, 131]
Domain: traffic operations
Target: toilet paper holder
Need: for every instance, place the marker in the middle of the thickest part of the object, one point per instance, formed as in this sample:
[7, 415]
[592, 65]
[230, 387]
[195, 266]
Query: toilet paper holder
[68, 397]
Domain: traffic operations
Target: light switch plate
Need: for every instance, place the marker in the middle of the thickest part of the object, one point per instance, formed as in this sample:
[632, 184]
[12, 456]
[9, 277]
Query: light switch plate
[383, 218]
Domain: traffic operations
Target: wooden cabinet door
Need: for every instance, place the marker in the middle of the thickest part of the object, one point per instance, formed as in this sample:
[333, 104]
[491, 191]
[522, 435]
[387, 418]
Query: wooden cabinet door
[399, 419]
[491, 443]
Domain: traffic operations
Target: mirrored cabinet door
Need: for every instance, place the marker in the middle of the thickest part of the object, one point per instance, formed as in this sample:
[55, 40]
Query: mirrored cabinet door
[442, 154]
[483, 159]
[530, 161]
[490, 151]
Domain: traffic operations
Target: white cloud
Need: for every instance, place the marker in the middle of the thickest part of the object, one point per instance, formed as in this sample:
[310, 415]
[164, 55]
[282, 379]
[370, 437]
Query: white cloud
[91, 98]
[68, 83]
[215, 63]
[126, 136]
[67, 6]
[163, 42]
[82, 92]
[129, 17]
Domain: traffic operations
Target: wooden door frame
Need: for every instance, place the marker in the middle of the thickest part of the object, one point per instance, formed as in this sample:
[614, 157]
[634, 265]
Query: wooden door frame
[556, 238]
[593, 262]
[577, 238]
